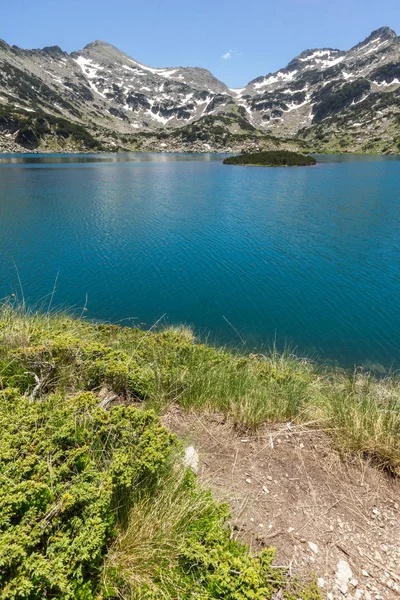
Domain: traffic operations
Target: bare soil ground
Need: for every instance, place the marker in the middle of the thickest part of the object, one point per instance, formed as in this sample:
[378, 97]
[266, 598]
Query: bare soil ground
[288, 488]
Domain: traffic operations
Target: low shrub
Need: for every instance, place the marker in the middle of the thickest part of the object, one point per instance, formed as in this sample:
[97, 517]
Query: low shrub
[67, 469]
[94, 501]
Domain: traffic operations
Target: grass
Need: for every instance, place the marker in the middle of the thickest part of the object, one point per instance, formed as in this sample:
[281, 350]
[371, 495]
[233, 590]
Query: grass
[95, 502]
[174, 547]
[161, 368]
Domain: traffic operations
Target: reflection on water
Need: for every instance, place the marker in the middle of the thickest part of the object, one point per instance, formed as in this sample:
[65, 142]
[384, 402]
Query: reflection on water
[309, 257]
[120, 157]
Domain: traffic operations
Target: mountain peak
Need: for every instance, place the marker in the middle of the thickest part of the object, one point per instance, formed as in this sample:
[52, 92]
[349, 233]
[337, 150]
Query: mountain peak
[53, 50]
[98, 44]
[384, 34]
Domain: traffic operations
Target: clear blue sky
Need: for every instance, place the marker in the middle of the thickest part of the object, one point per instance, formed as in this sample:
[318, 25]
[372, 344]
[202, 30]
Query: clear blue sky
[256, 36]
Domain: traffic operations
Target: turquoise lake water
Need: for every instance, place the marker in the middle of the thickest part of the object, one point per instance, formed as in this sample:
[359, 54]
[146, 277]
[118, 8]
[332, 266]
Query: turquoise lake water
[308, 257]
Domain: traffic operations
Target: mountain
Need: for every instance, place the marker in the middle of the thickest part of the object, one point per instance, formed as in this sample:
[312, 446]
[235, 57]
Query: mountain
[100, 98]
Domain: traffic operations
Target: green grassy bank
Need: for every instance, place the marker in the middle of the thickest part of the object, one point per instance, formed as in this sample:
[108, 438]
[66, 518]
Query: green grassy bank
[94, 501]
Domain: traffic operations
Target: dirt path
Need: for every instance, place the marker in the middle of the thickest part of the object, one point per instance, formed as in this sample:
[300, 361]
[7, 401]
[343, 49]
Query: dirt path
[288, 488]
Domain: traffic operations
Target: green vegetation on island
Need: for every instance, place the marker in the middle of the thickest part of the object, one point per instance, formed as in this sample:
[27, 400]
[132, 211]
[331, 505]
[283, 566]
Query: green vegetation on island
[272, 158]
[95, 501]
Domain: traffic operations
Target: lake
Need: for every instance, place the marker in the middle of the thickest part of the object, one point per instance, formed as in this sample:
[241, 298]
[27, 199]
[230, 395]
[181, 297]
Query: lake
[305, 257]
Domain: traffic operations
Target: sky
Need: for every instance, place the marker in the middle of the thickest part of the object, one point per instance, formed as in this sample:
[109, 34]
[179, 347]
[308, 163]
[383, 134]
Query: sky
[236, 40]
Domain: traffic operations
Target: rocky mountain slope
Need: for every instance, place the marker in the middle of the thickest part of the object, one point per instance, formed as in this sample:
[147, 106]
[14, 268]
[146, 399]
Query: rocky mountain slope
[100, 98]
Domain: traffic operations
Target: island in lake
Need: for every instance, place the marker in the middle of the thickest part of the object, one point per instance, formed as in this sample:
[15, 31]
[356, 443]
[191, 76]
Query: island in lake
[273, 158]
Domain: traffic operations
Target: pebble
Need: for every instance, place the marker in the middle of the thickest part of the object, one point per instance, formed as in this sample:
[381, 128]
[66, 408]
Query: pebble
[353, 582]
[269, 477]
[343, 575]
[248, 480]
[321, 582]
[365, 573]
[393, 585]
[265, 490]
[191, 459]
[313, 547]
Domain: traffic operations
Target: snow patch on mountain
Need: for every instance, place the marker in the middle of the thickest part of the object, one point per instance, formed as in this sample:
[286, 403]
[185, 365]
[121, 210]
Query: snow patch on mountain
[329, 62]
[88, 67]
[295, 106]
[317, 54]
[387, 84]
[237, 91]
[280, 76]
[167, 73]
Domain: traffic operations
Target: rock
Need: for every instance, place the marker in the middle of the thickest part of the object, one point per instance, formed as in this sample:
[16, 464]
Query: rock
[367, 595]
[191, 459]
[27, 138]
[313, 547]
[365, 573]
[321, 582]
[265, 490]
[329, 596]
[248, 480]
[353, 582]
[378, 369]
[343, 576]
[393, 585]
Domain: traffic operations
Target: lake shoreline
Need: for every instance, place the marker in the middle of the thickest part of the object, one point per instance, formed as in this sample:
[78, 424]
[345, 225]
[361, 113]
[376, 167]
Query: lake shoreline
[25, 152]
[112, 409]
[187, 237]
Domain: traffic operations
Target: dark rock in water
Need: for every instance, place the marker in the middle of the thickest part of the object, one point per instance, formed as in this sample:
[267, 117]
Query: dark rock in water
[375, 368]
